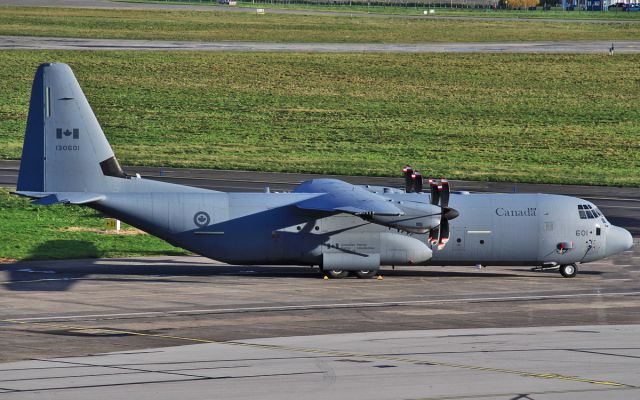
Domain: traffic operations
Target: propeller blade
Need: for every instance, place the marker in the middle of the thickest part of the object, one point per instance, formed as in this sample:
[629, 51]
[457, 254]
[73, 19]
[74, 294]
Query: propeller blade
[407, 171]
[435, 193]
[444, 194]
[417, 181]
[444, 233]
[434, 235]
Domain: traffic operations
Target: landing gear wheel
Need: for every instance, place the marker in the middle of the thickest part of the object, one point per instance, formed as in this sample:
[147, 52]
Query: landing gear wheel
[568, 270]
[336, 273]
[366, 273]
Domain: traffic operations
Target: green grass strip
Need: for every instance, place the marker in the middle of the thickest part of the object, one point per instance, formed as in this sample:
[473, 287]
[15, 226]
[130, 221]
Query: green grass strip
[501, 117]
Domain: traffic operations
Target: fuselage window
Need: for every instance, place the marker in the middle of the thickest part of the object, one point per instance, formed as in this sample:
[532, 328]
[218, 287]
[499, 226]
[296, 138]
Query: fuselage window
[598, 231]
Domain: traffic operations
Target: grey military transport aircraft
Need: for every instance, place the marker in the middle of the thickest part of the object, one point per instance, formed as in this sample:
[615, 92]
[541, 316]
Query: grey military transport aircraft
[341, 228]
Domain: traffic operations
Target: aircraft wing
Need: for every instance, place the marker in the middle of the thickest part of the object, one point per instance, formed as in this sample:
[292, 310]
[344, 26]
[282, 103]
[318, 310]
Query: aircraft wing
[339, 196]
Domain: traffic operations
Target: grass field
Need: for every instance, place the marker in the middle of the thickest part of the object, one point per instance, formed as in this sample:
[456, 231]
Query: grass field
[402, 9]
[61, 232]
[220, 26]
[504, 117]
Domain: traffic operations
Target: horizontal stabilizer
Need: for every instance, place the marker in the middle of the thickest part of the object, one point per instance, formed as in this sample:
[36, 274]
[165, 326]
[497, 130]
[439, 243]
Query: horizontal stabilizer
[341, 196]
[46, 199]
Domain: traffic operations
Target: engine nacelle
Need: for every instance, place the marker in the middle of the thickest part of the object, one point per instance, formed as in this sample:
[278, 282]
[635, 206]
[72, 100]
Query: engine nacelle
[417, 218]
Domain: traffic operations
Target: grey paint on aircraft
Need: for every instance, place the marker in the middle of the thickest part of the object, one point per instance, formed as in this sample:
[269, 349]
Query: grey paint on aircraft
[324, 222]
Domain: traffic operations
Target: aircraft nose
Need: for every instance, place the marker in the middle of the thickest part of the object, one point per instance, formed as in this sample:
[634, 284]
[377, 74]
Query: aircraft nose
[618, 240]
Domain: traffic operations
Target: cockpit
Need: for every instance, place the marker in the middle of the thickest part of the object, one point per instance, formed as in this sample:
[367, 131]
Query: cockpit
[588, 211]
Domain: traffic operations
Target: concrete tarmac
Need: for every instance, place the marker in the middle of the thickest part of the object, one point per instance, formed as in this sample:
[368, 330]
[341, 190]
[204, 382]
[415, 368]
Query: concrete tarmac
[582, 362]
[52, 43]
[620, 205]
[213, 7]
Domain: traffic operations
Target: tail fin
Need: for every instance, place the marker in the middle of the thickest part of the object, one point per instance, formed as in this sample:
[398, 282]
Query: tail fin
[64, 148]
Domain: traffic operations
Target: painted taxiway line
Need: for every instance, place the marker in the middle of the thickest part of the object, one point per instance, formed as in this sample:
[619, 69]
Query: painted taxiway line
[336, 353]
[150, 314]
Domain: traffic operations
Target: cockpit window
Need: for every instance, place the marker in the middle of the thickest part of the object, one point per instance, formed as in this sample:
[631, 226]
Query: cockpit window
[587, 212]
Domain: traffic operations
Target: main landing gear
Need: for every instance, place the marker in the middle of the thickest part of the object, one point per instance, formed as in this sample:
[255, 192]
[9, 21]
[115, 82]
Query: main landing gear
[335, 273]
[340, 274]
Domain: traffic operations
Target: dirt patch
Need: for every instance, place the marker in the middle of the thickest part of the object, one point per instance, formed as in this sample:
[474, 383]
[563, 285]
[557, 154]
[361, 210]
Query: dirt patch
[128, 231]
[7, 260]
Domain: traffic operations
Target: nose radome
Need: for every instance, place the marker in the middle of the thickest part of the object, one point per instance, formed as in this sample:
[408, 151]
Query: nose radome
[618, 240]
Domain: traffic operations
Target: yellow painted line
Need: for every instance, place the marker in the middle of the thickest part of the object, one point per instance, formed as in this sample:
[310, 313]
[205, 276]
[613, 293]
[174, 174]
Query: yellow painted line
[334, 353]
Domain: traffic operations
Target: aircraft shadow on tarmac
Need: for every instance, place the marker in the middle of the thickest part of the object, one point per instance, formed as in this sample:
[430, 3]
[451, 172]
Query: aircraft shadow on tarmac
[61, 275]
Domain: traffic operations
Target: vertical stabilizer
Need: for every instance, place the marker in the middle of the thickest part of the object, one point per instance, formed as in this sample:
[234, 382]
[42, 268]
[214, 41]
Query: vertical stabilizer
[64, 148]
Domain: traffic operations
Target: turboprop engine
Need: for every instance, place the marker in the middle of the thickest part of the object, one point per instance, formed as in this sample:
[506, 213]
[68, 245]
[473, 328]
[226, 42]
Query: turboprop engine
[421, 216]
[412, 213]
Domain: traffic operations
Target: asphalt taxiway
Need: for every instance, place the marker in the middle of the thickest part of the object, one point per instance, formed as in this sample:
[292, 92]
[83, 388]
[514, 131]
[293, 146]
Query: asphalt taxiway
[78, 307]
[53, 43]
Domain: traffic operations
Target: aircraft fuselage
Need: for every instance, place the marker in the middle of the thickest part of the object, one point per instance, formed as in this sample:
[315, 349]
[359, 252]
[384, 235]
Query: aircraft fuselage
[266, 228]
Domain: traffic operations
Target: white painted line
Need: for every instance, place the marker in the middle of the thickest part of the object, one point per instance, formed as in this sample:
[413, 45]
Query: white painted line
[334, 305]
[138, 314]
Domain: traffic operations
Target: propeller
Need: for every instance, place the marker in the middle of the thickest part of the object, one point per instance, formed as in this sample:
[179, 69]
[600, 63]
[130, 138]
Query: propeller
[440, 190]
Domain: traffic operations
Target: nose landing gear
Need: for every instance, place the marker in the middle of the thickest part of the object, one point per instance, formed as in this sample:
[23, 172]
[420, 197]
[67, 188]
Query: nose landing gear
[568, 270]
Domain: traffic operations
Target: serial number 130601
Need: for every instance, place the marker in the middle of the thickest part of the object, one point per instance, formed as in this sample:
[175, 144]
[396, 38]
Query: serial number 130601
[67, 147]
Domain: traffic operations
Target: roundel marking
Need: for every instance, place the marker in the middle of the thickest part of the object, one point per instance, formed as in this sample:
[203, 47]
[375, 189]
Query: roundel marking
[201, 219]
